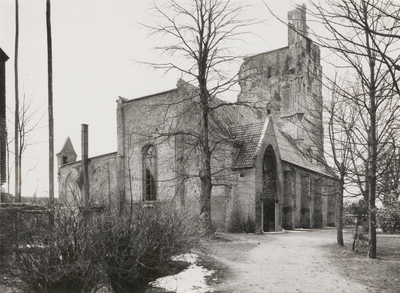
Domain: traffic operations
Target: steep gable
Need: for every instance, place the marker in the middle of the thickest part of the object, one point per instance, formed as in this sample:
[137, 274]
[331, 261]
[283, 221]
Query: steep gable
[248, 138]
[67, 153]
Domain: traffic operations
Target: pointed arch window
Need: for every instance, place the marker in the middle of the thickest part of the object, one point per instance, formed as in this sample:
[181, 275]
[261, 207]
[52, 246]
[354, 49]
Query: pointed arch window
[149, 173]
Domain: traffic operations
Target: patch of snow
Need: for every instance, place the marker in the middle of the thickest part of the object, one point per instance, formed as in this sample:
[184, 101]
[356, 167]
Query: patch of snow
[190, 280]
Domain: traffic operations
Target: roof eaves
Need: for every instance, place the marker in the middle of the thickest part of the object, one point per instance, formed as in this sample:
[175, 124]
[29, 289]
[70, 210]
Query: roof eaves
[148, 96]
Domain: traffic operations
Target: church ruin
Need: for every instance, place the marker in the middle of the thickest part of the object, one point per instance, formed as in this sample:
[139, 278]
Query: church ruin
[269, 170]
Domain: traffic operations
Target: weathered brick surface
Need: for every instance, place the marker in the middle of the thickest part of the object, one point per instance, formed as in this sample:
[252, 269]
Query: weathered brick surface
[102, 181]
[286, 84]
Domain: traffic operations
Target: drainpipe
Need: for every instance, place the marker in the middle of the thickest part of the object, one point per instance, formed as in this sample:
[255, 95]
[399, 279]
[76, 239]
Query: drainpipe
[85, 164]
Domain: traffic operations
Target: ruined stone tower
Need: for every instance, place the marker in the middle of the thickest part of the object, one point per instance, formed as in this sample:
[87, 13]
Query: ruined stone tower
[286, 84]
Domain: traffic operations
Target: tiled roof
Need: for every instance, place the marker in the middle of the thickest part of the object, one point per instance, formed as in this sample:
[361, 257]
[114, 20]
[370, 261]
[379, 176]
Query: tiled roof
[291, 153]
[248, 137]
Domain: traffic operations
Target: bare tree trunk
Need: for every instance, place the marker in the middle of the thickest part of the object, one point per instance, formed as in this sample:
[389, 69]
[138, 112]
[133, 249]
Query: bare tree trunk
[340, 155]
[21, 138]
[50, 103]
[199, 33]
[365, 34]
[16, 126]
[373, 142]
[373, 167]
[205, 172]
[339, 219]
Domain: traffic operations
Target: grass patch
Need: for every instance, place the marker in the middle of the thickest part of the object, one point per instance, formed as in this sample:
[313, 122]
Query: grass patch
[379, 275]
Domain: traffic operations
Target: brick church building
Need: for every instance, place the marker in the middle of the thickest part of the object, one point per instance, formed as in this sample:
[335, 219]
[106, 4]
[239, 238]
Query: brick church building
[268, 165]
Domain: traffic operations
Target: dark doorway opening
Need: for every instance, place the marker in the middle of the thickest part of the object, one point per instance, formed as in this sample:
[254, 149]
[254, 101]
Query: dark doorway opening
[269, 195]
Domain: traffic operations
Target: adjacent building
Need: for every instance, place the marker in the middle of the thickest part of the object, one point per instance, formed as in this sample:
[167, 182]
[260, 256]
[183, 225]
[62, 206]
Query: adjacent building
[3, 126]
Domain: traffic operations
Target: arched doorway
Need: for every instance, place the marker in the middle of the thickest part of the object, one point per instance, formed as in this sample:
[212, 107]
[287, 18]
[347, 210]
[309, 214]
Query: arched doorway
[269, 195]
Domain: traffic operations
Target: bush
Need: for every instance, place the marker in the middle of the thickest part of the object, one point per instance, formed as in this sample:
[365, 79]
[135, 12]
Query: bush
[359, 210]
[7, 222]
[139, 247]
[56, 255]
[389, 218]
[81, 250]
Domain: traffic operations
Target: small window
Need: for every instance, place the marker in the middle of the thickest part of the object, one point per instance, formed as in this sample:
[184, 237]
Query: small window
[64, 160]
[149, 173]
[268, 111]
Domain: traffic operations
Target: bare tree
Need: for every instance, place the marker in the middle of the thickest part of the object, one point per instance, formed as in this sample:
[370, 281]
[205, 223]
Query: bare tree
[363, 35]
[28, 122]
[340, 121]
[200, 33]
[355, 36]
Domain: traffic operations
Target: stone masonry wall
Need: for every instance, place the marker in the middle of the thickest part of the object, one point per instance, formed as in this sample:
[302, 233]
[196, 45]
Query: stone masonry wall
[310, 203]
[286, 84]
[102, 181]
[169, 121]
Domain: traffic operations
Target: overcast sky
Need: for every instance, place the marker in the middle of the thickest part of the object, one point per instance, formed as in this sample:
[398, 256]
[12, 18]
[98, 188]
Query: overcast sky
[95, 45]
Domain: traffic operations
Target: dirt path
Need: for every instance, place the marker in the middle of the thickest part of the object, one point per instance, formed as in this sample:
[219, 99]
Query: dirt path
[279, 262]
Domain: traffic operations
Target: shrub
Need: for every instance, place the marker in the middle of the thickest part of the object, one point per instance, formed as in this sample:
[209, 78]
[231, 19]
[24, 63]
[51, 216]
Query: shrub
[138, 247]
[359, 209]
[80, 250]
[7, 222]
[56, 255]
[389, 218]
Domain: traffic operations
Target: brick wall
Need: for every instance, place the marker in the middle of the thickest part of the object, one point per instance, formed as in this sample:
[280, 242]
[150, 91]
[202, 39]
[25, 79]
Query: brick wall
[285, 82]
[102, 181]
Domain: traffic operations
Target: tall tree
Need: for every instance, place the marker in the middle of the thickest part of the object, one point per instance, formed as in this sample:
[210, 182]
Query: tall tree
[340, 121]
[364, 37]
[29, 120]
[16, 140]
[199, 33]
[355, 34]
[50, 102]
